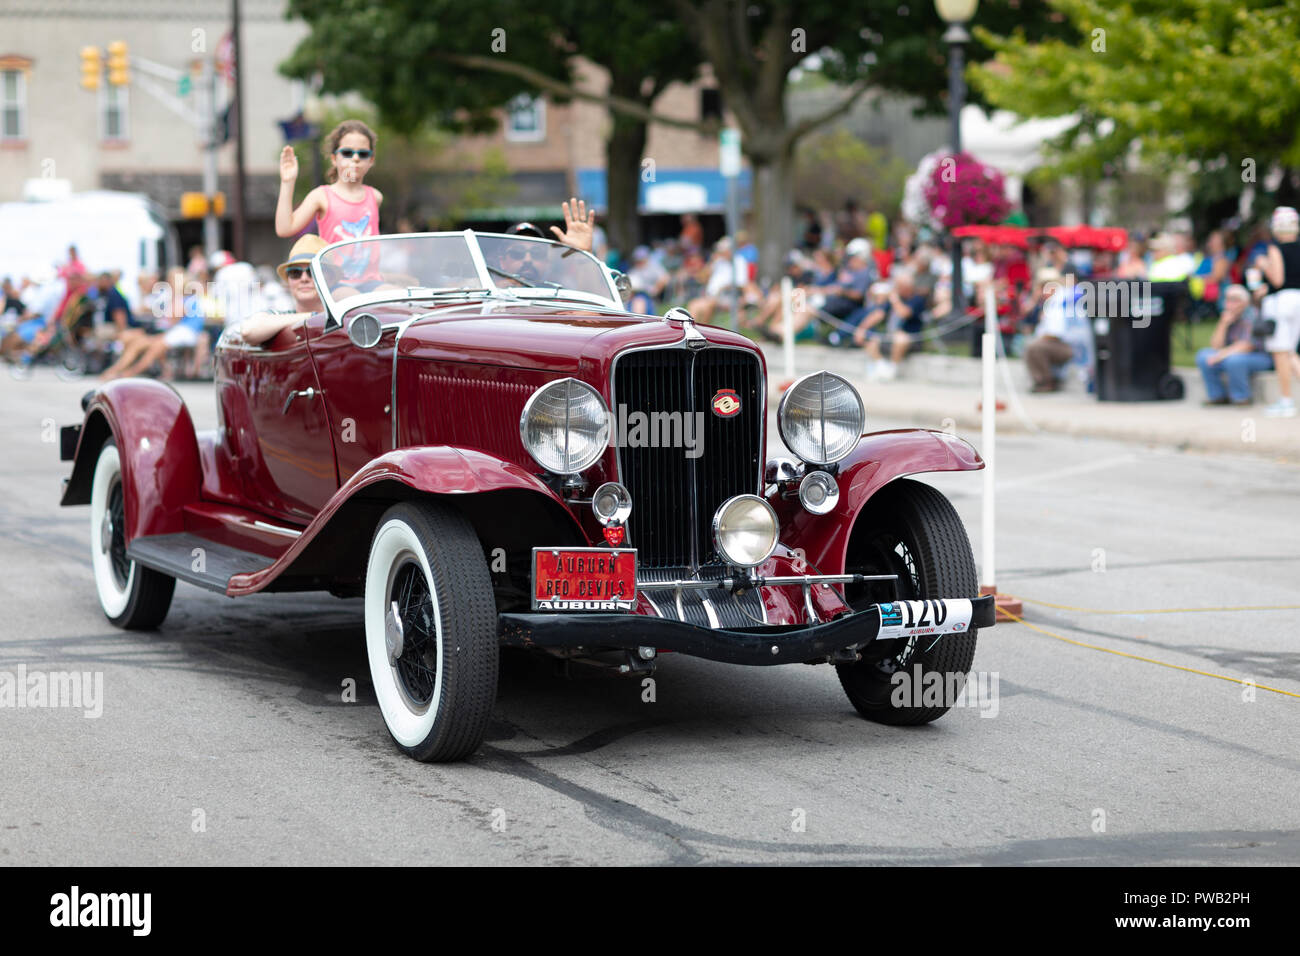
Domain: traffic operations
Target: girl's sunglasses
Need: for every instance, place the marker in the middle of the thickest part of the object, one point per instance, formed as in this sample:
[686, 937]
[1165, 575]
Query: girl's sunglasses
[295, 272]
[347, 153]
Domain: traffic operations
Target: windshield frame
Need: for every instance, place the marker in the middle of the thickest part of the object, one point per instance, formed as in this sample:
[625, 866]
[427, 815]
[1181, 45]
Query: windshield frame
[488, 288]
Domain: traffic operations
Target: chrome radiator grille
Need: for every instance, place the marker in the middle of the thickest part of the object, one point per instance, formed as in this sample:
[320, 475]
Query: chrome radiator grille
[674, 496]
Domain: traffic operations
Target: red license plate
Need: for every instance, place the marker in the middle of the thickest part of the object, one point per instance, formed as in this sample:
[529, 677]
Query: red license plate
[584, 579]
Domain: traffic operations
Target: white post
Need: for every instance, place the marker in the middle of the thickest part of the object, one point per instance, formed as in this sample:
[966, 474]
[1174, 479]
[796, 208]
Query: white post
[988, 437]
[787, 326]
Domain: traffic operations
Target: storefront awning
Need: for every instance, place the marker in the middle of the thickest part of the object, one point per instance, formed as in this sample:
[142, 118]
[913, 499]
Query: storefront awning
[672, 191]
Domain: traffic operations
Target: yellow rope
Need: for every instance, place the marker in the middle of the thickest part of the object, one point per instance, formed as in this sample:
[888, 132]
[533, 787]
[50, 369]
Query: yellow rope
[1161, 610]
[1138, 657]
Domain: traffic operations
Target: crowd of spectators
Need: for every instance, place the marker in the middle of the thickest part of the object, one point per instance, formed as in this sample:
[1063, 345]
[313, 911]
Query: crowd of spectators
[889, 297]
[171, 329]
[886, 298]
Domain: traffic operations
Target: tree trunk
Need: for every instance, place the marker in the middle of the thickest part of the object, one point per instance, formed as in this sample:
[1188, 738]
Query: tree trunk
[623, 153]
[773, 205]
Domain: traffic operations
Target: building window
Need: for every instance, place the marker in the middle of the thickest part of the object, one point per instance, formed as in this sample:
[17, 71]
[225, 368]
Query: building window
[13, 105]
[526, 119]
[113, 102]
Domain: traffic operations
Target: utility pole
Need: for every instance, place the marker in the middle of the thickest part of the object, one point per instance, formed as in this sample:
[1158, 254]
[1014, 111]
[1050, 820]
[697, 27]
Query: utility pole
[208, 133]
[237, 70]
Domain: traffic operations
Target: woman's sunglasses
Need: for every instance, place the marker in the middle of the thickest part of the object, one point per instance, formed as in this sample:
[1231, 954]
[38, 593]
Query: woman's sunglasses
[347, 153]
[295, 272]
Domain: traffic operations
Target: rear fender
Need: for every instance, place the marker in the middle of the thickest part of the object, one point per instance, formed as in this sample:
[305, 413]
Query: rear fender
[878, 459]
[155, 441]
[493, 493]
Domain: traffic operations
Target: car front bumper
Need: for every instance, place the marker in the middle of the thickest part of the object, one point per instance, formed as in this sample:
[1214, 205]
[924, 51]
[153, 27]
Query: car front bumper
[792, 644]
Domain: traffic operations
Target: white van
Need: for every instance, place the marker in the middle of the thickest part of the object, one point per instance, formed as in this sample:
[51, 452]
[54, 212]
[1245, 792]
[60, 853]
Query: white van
[111, 230]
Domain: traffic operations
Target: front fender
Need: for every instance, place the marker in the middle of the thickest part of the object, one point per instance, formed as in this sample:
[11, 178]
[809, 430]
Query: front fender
[397, 475]
[878, 459]
[155, 441]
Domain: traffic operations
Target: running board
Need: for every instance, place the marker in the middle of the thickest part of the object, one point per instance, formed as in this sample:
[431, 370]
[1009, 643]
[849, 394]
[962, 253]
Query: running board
[194, 559]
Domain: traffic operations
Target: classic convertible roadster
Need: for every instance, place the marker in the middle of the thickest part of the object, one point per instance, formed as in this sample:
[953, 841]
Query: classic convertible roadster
[477, 439]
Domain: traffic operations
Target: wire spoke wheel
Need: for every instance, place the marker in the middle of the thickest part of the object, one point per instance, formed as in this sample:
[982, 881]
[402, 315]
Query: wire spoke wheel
[417, 667]
[118, 561]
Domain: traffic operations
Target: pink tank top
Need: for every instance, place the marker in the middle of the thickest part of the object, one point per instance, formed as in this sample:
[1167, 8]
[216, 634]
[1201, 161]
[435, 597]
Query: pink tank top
[352, 220]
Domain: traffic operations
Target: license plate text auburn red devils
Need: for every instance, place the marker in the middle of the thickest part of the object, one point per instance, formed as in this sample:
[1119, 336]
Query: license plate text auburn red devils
[584, 579]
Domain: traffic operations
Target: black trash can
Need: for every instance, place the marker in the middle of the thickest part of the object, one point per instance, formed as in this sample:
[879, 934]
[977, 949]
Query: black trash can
[1132, 321]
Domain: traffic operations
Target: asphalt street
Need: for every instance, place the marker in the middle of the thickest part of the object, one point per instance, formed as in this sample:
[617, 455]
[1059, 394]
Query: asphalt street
[224, 737]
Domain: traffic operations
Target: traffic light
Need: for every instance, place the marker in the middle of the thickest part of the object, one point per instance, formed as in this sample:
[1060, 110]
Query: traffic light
[194, 205]
[119, 63]
[92, 65]
[197, 205]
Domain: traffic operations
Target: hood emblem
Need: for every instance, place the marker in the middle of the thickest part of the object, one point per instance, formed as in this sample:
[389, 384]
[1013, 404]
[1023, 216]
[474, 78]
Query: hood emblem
[726, 403]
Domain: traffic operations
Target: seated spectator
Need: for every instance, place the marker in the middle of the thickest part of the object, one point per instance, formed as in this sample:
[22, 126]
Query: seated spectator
[36, 324]
[1235, 352]
[649, 280]
[1171, 261]
[1061, 326]
[13, 310]
[901, 315]
[1210, 277]
[976, 273]
[719, 292]
[842, 295]
[141, 352]
[691, 238]
[1133, 263]
[804, 273]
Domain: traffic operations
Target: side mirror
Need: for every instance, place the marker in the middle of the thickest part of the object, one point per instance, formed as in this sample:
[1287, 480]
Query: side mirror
[364, 331]
[624, 286]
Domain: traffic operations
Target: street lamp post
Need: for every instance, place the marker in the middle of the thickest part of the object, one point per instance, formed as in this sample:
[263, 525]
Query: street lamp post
[956, 13]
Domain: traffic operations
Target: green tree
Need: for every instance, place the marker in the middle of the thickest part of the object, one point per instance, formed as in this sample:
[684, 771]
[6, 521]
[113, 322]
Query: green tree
[1188, 79]
[833, 163]
[752, 47]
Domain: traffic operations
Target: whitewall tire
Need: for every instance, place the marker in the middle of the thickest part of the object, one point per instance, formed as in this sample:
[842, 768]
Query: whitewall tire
[431, 631]
[132, 597]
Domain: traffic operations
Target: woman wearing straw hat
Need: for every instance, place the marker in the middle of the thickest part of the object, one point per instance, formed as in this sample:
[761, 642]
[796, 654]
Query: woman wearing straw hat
[296, 274]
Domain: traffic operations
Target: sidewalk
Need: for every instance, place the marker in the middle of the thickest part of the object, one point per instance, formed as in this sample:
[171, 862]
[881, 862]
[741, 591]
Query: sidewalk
[933, 389]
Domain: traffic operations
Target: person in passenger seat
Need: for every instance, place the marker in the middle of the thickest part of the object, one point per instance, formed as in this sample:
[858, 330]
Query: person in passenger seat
[296, 273]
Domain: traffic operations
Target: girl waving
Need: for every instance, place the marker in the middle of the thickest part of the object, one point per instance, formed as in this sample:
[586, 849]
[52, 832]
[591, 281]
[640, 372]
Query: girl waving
[345, 208]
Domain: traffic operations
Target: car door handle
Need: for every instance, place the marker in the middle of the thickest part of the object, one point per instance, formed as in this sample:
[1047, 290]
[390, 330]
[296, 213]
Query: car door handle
[307, 393]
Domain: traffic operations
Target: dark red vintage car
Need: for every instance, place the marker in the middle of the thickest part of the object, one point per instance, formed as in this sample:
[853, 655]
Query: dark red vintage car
[476, 438]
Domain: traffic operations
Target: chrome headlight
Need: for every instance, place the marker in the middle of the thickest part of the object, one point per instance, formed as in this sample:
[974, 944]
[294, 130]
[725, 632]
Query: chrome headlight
[612, 503]
[565, 426]
[818, 493]
[821, 418]
[744, 531]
